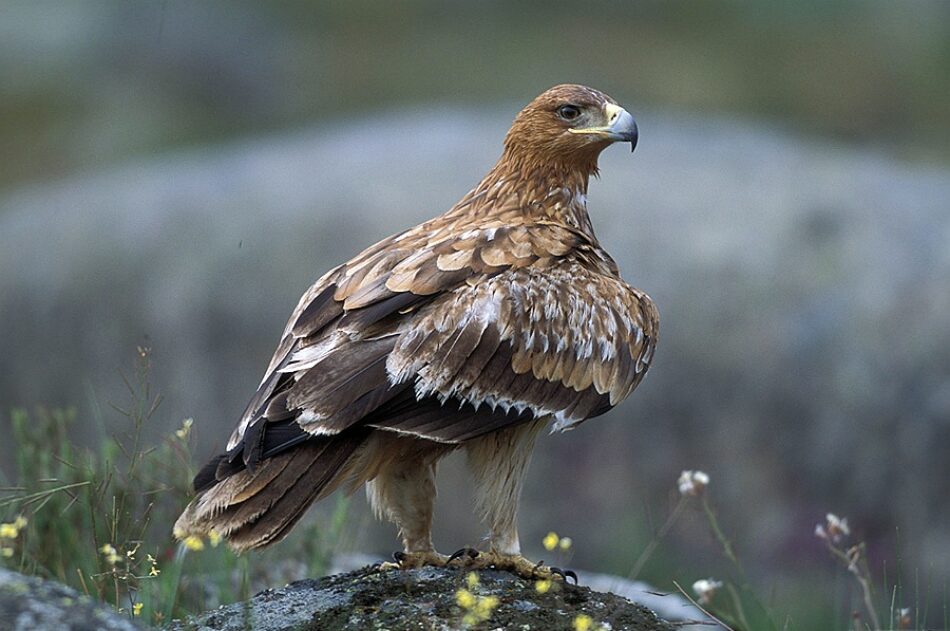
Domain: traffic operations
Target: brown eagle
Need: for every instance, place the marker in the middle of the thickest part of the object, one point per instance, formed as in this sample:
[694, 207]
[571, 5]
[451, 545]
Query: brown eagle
[476, 329]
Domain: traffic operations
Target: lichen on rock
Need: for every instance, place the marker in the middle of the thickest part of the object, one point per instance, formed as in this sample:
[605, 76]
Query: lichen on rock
[424, 599]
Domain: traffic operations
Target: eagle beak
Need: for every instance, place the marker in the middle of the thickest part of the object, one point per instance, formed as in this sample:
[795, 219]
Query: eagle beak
[620, 126]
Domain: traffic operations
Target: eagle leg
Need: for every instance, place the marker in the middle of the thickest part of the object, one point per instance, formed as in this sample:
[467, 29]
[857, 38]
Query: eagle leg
[403, 492]
[499, 462]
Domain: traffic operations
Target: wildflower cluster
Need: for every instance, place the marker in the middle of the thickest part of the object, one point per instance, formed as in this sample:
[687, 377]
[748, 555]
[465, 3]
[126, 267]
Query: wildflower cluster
[692, 483]
[705, 590]
[111, 555]
[476, 608]
[8, 535]
[552, 541]
[126, 566]
[195, 543]
[833, 530]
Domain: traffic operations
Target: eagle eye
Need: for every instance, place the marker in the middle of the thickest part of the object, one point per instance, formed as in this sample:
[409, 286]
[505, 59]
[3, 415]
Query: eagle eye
[569, 112]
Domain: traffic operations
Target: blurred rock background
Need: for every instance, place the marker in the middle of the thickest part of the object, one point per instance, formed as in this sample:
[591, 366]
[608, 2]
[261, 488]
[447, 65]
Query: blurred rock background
[175, 174]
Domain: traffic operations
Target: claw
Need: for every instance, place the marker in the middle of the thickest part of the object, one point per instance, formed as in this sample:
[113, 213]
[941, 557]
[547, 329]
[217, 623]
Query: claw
[399, 556]
[565, 574]
[463, 552]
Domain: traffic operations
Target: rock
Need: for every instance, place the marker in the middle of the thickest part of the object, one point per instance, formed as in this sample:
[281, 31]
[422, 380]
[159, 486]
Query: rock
[32, 604]
[422, 599]
[671, 606]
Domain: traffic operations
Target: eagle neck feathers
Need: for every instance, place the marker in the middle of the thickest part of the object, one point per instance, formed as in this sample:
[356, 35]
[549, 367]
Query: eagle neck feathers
[528, 190]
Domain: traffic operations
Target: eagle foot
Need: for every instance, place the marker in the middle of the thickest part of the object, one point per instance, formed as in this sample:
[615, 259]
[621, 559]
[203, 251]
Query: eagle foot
[463, 553]
[413, 560]
[515, 563]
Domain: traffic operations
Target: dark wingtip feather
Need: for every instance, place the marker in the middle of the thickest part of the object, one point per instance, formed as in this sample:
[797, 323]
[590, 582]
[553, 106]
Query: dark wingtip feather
[207, 477]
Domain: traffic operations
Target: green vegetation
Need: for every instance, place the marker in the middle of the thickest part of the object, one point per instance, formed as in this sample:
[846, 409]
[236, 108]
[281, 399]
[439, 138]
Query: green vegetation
[99, 520]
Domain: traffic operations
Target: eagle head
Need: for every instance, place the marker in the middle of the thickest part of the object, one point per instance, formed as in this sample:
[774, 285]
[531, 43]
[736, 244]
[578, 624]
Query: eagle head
[568, 126]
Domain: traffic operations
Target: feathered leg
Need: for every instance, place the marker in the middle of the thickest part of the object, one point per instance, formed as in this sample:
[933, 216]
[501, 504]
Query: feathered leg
[499, 462]
[403, 492]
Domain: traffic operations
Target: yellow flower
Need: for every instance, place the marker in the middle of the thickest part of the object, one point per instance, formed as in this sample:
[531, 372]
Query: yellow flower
[583, 622]
[154, 571]
[565, 543]
[194, 542]
[543, 586]
[137, 609]
[485, 606]
[6, 552]
[9, 531]
[472, 580]
[550, 541]
[465, 599]
[111, 554]
[214, 538]
[20, 522]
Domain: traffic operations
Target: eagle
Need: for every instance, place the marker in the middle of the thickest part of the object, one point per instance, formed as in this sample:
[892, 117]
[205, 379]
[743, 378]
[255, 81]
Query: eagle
[475, 330]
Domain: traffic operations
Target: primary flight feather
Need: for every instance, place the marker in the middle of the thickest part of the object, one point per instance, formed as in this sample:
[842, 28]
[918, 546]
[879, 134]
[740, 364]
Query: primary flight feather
[475, 330]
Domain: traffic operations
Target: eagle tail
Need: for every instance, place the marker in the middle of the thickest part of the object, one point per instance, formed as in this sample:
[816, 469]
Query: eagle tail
[253, 509]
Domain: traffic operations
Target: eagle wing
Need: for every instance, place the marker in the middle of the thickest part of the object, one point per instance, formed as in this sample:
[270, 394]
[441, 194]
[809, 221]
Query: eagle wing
[446, 335]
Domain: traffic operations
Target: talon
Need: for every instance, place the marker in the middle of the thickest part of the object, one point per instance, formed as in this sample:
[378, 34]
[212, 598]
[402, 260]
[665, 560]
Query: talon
[564, 574]
[399, 556]
[463, 552]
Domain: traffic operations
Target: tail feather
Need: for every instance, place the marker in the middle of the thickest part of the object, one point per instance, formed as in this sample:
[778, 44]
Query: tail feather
[316, 483]
[256, 509]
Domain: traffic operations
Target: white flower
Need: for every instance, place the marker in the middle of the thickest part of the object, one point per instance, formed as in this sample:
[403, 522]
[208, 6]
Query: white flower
[692, 482]
[834, 529]
[903, 618]
[705, 589]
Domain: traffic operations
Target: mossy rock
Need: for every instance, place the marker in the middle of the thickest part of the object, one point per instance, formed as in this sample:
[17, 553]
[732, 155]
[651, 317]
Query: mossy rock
[424, 600]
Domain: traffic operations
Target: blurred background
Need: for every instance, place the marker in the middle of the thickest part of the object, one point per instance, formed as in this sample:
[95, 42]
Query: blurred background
[175, 174]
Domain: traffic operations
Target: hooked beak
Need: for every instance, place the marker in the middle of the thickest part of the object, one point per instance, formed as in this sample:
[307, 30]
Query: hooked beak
[620, 127]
